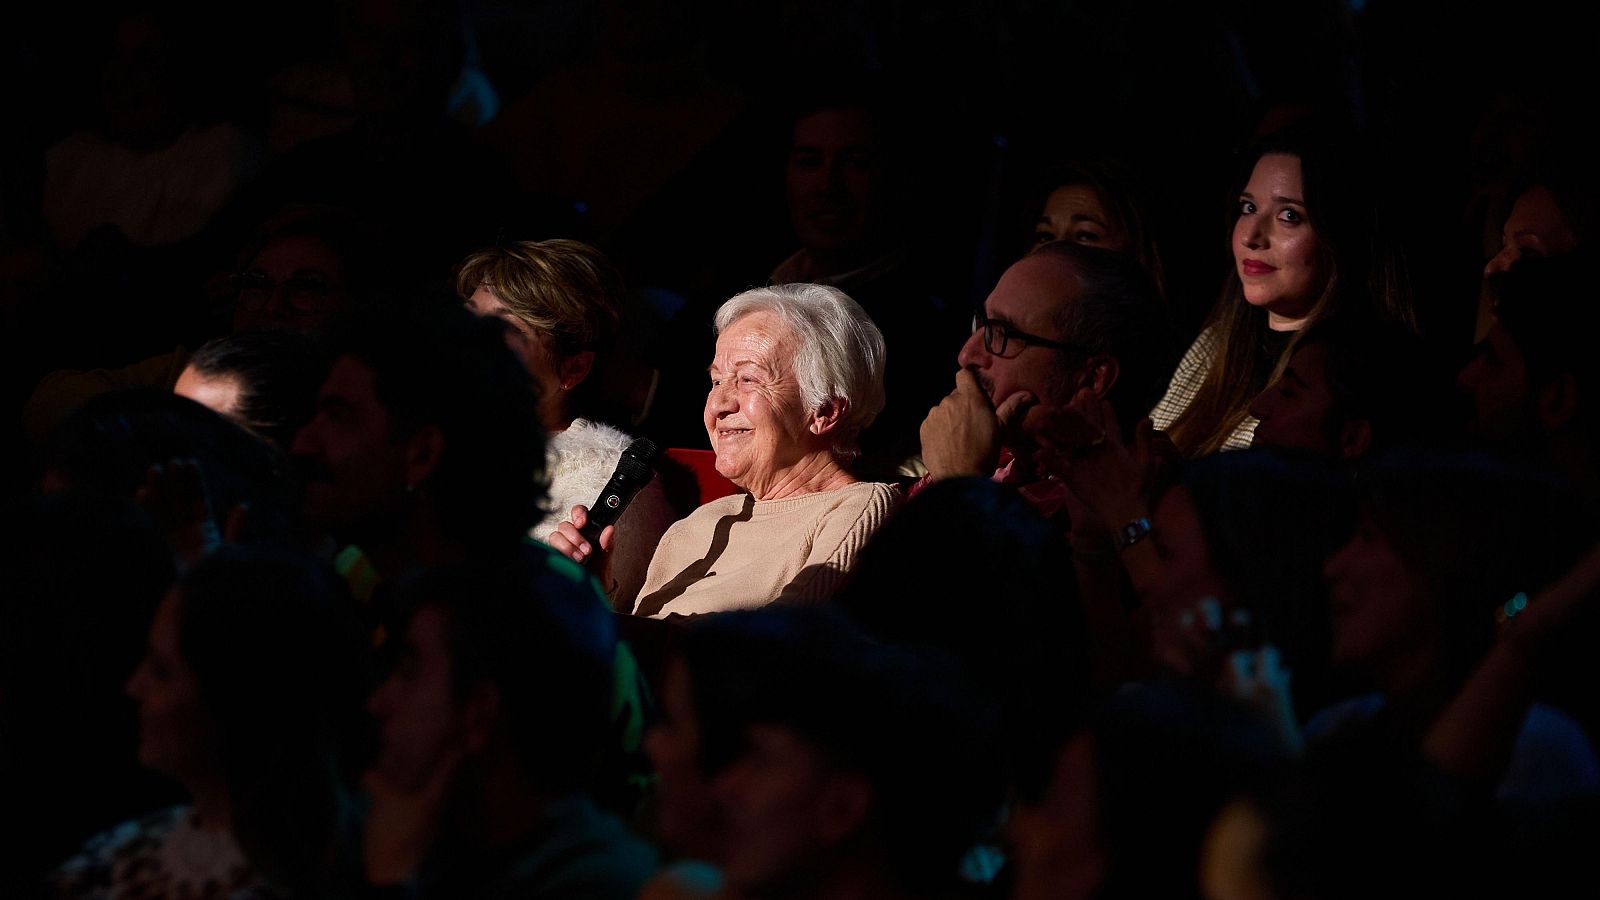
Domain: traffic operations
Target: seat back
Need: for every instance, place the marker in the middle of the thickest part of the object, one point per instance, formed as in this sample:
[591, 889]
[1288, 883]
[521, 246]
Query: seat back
[702, 464]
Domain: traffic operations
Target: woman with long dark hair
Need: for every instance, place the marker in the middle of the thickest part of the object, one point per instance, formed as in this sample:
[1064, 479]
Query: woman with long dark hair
[1306, 244]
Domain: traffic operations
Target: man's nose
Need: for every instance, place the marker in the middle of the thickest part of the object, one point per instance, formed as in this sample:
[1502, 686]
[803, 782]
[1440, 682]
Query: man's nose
[1503, 261]
[973, 352]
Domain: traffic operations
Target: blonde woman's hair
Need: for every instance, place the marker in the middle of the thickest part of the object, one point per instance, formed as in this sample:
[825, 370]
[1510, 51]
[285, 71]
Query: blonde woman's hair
[566, 289]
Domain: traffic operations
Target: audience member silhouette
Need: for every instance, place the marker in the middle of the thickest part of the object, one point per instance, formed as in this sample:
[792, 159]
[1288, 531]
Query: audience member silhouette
[835, 783]
[266, 381]
[250, 697]
[563, 303]
[491, 725]
[1353, 388]
[426, 445]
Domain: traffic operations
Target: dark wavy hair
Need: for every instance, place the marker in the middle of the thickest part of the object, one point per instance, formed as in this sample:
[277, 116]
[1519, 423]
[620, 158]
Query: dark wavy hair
[438, 365]
[278, 372]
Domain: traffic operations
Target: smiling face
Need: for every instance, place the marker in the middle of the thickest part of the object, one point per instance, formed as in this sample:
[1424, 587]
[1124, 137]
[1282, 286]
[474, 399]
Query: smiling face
[755, 415]
[1073, 212]
[1030, 297]
[1276, 251]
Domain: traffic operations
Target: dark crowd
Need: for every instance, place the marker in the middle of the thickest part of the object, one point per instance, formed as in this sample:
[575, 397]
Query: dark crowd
[1145, 450]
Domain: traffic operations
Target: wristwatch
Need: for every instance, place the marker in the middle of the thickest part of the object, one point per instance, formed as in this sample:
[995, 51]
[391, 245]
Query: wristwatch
[1132, 533]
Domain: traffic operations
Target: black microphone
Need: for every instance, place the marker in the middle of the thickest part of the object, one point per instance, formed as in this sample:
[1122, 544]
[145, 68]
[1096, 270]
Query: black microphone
[633, 473]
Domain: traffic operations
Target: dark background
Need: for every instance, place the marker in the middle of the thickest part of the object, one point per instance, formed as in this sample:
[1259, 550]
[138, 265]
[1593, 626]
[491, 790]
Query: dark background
[673, 114]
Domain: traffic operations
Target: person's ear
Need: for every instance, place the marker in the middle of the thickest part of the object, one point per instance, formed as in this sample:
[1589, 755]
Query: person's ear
[1102, 374]
[845, 805]
[828, 417]
[423, 450]
[572, 370]
[480, 716]
[1355, 438]
[1558, 401]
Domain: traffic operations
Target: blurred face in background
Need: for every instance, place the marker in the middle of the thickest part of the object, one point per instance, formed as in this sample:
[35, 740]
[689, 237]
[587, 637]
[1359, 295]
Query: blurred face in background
[690, 818]
[1055, 843]
[1536, 227]
[1501, 391]
[1382, 617]
[833, 180]
[356, 469]
[415, 707]
[175, 734]
[788, 807]
[1075, 212]
[1172, 590]
[1298, 410]
[295, 281]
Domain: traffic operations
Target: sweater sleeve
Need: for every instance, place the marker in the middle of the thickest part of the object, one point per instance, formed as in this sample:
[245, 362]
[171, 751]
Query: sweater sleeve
[842, 534]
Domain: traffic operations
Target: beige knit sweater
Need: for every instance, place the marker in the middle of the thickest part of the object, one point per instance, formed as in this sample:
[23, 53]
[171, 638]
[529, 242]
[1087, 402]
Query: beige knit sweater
[740, 553]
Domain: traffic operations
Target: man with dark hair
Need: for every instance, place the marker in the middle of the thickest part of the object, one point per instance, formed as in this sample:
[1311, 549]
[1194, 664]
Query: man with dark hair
[491, 726]
[265, 380]
[1064, 319]
[1353, 388]
[868, 777]
[1533, 379]
[426, 446]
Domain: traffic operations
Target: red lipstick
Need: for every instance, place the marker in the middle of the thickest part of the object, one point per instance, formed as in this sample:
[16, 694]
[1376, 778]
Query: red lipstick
[1256, 267]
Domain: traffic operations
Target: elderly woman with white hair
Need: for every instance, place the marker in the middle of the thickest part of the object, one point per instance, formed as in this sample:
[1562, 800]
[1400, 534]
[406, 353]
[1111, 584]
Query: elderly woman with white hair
[798, 373]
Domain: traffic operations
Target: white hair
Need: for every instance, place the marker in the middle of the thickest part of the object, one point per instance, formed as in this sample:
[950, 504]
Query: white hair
[840, 353]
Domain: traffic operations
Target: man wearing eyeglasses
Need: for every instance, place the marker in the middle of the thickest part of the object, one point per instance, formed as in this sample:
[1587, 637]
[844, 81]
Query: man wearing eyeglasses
[1064, 318]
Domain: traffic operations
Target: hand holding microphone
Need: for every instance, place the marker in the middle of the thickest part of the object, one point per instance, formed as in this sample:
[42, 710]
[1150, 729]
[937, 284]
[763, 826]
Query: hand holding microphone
[591, 530]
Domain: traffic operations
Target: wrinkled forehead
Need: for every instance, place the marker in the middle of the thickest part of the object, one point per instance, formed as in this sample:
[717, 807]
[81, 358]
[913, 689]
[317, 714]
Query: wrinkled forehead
[758, 338]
